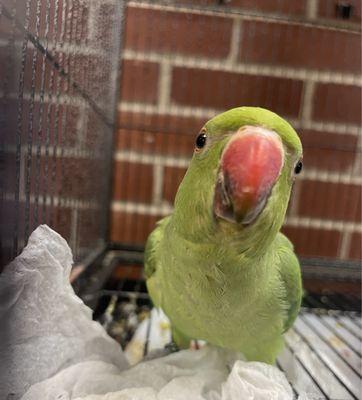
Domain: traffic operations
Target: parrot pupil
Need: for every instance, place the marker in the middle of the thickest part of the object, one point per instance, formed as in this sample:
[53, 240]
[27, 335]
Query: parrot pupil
[298, 167]
[201, 140]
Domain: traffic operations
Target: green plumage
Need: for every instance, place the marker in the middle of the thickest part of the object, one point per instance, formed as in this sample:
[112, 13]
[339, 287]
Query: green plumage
[232, 285]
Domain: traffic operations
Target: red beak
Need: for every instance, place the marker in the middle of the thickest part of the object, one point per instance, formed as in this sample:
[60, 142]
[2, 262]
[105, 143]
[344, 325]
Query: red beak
[250, 165]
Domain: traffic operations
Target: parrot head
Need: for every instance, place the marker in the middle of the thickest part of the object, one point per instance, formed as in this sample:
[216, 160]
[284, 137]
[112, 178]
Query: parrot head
[241, 174]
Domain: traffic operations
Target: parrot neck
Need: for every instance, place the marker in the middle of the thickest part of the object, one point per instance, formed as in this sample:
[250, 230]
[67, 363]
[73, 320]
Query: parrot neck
[193, 218]
[252, 241]
[196, 223]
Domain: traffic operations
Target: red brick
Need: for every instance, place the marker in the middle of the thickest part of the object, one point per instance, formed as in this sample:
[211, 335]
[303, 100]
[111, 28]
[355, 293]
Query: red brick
[161, 123]
[328, 9]
[295, 7]
[172, 177]
[337, 103]
[132, 181]
[355, 246]
[178, 32]
[156, 142]
[139, 81]
[132, 228]
[326, 200]
[300, 47]
[328, 151]
[310, 242]
[224, 90]
[279, 7]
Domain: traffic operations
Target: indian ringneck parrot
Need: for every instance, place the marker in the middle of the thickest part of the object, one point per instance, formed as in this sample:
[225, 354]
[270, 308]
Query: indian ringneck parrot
[218, 266]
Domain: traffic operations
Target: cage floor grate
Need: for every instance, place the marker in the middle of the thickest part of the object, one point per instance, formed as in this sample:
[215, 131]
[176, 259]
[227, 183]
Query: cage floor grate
[322, 355]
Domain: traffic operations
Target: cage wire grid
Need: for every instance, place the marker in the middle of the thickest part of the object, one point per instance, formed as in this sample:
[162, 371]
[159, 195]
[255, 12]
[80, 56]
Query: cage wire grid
[60, 66]
[183, 62]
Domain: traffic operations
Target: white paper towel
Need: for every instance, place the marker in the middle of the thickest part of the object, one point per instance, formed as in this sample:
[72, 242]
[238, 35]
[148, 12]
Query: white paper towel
[45, 327]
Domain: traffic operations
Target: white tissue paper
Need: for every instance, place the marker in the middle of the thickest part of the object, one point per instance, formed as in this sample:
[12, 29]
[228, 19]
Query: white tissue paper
[51, 349]
[45, 327]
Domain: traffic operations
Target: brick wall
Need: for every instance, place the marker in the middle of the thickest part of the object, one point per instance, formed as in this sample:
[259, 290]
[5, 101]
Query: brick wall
[183, 64]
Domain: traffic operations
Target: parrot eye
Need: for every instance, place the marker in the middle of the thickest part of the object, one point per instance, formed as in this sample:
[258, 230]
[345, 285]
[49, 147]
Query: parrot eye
[200, 141]
[298, 167]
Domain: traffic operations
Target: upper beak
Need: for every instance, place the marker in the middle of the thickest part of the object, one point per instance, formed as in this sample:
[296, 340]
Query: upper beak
[250, 165]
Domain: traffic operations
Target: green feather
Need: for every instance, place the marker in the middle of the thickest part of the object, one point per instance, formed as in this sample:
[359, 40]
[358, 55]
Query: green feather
[234, 286]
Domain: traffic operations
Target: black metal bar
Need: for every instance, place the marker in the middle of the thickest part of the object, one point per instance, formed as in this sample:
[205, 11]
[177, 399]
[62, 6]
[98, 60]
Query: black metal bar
[50, 97]
[30, 133]
[19, 129]
[120, 10]
[312, 301]
[57, 112]
[119, 293]
[40, 127]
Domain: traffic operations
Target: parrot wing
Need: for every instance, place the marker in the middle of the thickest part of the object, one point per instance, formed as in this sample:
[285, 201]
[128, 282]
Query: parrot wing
[290, 273]
[152, 260]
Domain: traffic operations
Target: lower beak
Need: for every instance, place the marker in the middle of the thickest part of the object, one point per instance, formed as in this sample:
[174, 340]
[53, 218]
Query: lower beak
[250, 165]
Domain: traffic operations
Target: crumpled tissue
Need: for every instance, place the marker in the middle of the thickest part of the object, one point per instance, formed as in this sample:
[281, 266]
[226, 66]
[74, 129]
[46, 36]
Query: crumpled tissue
[51, 349]
[45, 327]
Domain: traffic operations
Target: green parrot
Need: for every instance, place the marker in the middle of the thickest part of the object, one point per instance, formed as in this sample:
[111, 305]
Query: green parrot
[218, 266]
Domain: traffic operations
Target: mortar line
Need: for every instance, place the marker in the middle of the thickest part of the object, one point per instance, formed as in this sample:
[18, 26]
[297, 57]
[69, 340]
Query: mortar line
[187, 111]
[279, 71]
[304, 222]
[164, 85]
[307, 101]
[345, 245]
[312, 9]
[235, 41]
[171, 161]
[157, 189]
[235, 13]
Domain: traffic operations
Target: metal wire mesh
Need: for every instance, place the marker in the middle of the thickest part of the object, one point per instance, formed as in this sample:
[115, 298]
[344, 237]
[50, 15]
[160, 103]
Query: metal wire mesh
[59, 67]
